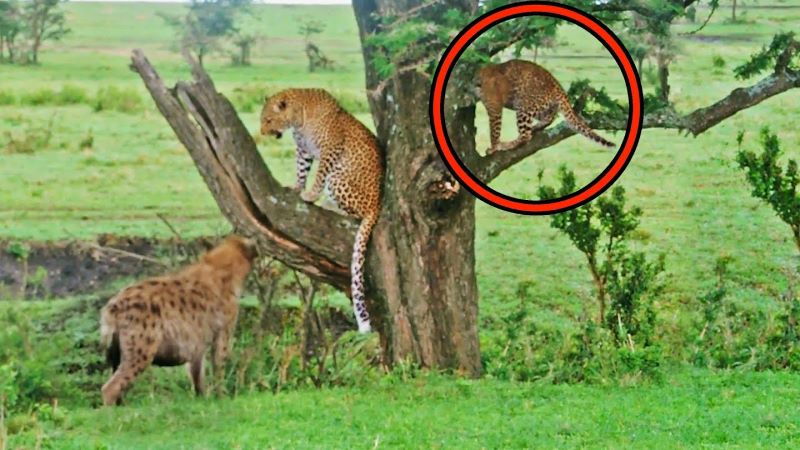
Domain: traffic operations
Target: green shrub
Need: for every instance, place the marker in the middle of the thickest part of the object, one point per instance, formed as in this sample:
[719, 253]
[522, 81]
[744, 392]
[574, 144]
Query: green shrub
[250, 97]
[31, 140]
[279, 348]
[775, 185]
[43, 96]
[7, 98]
[730, 336]
[113, 98]
[71, 95]
[625, 278]
[522, 347]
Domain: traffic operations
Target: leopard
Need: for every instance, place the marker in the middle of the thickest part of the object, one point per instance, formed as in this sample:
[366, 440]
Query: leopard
[531, 91]
[350, 167]
[172, 320]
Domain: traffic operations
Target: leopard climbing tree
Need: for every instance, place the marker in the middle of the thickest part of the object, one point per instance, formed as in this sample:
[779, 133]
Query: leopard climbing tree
[422, 289]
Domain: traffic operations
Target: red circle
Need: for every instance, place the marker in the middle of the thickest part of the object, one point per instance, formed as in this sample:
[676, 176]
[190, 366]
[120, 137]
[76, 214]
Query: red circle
[594, 188]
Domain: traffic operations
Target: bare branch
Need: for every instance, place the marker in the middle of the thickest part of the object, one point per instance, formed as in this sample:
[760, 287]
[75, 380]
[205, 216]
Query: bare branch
[409, 14]
[703, 25]
[695, 122]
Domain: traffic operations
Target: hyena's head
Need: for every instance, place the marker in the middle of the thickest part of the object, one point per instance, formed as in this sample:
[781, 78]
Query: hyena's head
[235, 254]
[281, 111]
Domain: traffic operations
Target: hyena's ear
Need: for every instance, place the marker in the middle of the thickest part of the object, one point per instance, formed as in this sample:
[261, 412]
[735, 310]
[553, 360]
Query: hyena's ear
[266, 98]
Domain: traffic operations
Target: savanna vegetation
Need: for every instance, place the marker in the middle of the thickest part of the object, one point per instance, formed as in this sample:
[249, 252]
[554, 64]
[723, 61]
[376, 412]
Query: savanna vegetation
[664, 314]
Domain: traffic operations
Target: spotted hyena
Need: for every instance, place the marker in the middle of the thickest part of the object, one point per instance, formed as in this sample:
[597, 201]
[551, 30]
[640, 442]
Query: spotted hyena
[173, 319]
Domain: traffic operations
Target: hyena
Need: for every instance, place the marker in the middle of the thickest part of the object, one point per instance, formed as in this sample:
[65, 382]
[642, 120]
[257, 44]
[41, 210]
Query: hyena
[173, 319]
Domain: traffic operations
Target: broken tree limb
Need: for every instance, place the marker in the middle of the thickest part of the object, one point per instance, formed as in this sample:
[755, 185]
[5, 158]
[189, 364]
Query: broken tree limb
[305, 237]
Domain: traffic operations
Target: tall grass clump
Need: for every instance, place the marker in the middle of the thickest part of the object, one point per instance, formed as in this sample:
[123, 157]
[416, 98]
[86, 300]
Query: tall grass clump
[114, 98]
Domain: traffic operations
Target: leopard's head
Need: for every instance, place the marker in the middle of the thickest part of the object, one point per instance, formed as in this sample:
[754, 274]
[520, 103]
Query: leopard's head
[279, 113]
[484, 78]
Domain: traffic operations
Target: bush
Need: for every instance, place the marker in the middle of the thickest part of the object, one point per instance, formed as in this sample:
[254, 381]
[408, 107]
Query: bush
[32, 139]
[730, 336]
[71, 95]
[113, 98]
[600, 230]
[44, 96]
[525, 348]
[250, 97]
[7, 98]
[624, 279]
[775, 185]
[283, 347]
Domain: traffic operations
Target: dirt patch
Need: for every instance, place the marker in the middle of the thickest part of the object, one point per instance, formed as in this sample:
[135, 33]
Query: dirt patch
[718, 38]
[64, 269]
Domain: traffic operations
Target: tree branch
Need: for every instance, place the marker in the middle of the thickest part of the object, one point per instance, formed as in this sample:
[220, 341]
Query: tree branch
[304, 237]
[695, 122]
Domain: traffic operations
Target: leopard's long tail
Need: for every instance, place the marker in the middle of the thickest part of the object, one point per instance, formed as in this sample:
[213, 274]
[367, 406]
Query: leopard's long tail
[357, 272]
[577, 123]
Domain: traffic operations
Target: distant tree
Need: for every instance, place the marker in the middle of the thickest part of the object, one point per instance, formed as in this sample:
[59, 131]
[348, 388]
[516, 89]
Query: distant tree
[10, 27]
[206, 24]
[43, 21]
[244, 43]
[25, 26]
[316, 59]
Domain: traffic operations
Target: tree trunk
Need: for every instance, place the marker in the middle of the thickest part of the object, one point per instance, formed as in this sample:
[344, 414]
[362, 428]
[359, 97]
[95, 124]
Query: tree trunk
[663, 77]
[421, 265]
[733, 12]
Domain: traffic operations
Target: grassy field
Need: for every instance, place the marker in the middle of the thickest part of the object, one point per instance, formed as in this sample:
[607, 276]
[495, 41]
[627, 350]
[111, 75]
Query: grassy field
[691, 410]
[696, 208]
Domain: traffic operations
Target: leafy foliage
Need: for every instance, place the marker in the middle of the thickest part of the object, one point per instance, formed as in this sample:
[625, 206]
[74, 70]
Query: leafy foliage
[530, 349]
[24, 26]
[775, 185]
[732, 335]
[205, 25]
[600, 230]
[781, 53]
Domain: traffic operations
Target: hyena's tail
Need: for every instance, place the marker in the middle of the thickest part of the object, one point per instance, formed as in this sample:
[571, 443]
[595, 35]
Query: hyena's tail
[109, 337]
[357, 272]
[578, 124]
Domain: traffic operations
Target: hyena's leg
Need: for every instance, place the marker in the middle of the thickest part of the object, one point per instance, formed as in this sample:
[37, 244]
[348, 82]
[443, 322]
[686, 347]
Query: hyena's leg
[303, 161]
[196, 373]
[137, 354]
[219, 353]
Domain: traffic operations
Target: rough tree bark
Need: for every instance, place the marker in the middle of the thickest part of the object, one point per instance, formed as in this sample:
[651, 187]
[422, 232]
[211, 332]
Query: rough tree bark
[421, 262]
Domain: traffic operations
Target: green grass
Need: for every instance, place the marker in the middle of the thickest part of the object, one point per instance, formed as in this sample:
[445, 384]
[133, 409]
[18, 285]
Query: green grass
[692, 409]
[696, 207]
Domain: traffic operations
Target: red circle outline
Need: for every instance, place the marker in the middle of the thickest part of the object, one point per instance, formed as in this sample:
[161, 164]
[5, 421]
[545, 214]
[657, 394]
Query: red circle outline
[451, 56]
